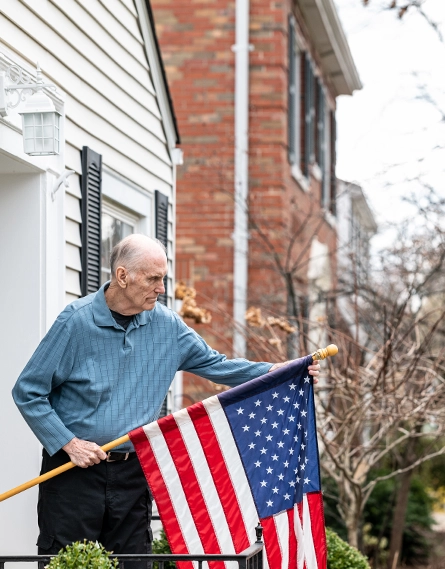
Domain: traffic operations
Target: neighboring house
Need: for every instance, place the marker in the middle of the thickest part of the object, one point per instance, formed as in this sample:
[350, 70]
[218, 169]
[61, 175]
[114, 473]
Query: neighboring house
[118, 135]
[255, 95]
[355, 231]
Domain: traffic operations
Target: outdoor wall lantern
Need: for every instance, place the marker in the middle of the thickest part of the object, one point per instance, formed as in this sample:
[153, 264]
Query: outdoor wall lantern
[40, 120]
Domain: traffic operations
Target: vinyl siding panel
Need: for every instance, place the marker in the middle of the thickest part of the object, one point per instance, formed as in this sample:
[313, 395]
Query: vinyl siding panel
[94, 52]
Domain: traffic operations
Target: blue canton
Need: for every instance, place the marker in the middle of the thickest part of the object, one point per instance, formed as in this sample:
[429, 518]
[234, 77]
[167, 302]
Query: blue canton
[275, 434]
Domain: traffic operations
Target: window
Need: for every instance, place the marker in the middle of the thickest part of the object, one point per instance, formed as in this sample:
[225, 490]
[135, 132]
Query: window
[116, 224]
[294, 95]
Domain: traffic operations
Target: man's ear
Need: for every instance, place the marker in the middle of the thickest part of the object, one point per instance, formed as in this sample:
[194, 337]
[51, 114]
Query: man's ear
[122, 277]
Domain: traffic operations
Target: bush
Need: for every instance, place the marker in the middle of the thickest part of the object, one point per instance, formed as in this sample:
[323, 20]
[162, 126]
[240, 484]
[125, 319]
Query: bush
[83, 555]
[343, 556]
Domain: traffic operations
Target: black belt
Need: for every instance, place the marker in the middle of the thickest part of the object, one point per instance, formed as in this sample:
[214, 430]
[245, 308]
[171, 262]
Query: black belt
[117, 456]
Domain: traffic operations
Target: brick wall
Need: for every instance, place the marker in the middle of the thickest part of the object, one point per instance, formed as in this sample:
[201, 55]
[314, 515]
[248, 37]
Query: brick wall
[196, 39]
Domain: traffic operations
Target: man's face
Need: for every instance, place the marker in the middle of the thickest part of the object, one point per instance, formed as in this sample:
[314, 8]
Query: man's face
[145, 284]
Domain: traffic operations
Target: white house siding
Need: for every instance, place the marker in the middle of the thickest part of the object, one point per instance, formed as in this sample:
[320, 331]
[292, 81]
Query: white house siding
[94, 52]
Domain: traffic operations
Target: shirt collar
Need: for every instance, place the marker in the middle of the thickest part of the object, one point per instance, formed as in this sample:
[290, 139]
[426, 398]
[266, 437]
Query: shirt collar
[102, 315]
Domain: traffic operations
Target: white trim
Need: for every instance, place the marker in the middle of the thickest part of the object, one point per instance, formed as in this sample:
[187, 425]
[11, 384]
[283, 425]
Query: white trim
[138, 202]
[300, 178]
[156, 73]
[120, 213]
[325, 28]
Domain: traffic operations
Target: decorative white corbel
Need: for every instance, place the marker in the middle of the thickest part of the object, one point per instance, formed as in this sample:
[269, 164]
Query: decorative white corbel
[62, 179]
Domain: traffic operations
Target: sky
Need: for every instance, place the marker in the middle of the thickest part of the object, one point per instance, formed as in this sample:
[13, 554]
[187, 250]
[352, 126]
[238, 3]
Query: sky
[388, 132]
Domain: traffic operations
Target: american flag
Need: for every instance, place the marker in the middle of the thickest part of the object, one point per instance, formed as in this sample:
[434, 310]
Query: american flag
[247, 455]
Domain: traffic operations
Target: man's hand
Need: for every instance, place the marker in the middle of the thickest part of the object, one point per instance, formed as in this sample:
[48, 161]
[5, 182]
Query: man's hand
[314, 368]
[84, 453]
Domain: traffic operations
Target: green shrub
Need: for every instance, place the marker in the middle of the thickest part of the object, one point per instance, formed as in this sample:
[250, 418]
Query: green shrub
[162, 546]
[83, 555]
[343, 556]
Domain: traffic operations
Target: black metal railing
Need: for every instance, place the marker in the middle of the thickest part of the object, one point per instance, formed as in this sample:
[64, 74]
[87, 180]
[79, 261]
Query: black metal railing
[250, 558]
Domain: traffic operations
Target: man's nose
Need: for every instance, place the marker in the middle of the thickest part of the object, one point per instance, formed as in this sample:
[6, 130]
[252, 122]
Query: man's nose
[160, 289]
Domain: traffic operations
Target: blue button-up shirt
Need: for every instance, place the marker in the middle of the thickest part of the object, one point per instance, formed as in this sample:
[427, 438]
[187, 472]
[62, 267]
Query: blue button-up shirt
[92, 379]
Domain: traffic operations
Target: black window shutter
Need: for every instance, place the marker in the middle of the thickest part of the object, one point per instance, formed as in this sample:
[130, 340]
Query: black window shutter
[91, 182]
[292, 94]
[161, 225]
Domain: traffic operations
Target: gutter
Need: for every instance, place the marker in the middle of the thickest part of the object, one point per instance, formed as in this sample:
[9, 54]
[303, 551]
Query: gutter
[240, 234]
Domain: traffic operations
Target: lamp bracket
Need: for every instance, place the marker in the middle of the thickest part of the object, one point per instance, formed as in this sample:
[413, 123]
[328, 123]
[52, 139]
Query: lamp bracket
[62, 179]
[19, 86]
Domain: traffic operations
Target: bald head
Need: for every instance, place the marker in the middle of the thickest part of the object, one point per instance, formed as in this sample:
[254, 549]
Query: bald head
[134, 252]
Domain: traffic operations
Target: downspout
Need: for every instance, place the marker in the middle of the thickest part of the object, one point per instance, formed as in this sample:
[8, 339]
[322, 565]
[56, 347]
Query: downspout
[240, 233]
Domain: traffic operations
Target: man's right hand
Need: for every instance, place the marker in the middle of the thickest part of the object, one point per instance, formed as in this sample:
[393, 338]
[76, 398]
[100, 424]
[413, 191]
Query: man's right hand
[84, 453]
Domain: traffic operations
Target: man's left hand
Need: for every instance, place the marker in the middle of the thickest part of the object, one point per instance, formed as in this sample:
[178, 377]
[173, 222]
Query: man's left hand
[314, 368]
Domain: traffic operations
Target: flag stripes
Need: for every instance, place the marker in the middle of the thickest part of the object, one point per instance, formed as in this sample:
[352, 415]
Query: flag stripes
[192, 463]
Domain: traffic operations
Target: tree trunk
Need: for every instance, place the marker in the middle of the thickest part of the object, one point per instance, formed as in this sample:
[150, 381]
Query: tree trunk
[398, 520]
[399, 515]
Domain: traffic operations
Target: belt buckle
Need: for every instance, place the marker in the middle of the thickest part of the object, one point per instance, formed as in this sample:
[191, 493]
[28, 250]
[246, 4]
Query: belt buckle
[108, 459]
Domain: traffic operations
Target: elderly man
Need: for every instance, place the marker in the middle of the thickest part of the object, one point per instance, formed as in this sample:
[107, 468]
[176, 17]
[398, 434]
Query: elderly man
[103, 369]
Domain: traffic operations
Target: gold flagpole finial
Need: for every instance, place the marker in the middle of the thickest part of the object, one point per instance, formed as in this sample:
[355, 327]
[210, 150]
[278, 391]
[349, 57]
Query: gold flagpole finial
[323, 353]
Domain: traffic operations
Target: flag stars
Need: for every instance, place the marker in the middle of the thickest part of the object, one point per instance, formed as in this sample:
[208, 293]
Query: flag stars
[269, 503]
[257, 403]
[263, 483]
[299, 425]
[275, 395]
[246, 428]
[240, 411]
[291, 418]
[298, 479]
[269, 438]
[280, 476]
[306, 480]
[307, 379]
[269, 470]
[286, 464]
[286, 399]
[280, 444]
[280, 412]
[292, 483]
[269, 408]
[263, 451]
[303, 466]
[257, 433]
[286, 431]
[275, 490]
[252, 416]
[274, 457]
[252, 446]
[303, 413]
[303, 446]
[292, 386]
[296, 405]
[301, 392]
[257, 464]
[291, 451]
[286, 496]
[274, 425]
[264, 420]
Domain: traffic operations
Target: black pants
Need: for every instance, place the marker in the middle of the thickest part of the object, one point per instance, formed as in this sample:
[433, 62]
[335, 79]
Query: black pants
[108, 502]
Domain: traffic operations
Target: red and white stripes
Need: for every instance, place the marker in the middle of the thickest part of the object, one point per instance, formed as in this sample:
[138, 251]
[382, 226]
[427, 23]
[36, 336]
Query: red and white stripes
[194, 470]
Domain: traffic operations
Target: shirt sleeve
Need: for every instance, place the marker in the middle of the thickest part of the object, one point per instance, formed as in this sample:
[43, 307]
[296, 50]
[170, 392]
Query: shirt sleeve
[199, 358]
[52, 360]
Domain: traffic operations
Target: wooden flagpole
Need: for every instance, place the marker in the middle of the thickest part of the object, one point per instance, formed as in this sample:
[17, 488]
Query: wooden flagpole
[56, 471]
[320, 354]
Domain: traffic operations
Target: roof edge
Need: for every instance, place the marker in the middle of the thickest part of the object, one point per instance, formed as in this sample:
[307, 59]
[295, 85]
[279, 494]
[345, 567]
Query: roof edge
[154, 56]
[325, 13]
